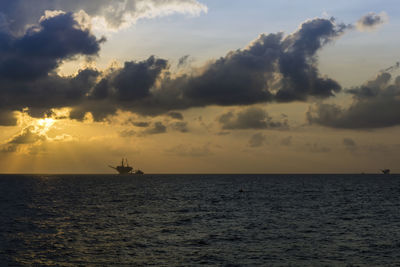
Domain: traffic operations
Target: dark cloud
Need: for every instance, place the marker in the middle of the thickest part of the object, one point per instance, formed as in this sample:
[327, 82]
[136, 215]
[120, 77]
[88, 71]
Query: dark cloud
[157, 128]
[371, 21]
[371, 88]
[43, 47]
[301, 78]
[27, 64]
[99, 110]
[130, 83]
[183, 61]
[134, 81]
[45, 93]
[250, 118]
[271, 68]
[350, 144]
[143, 124]
[127, 88]
[180, 126]
[376, 104]
[239, 78]
[274, 67]
[175, 115]
[257, 140]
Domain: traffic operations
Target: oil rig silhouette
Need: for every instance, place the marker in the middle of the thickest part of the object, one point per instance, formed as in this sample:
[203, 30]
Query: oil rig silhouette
[124, 168]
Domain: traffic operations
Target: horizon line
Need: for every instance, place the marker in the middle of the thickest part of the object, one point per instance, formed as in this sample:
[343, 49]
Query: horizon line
[198, 173]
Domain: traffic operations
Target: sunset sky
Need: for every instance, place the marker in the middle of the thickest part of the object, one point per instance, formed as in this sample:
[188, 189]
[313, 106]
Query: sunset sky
[207, 86]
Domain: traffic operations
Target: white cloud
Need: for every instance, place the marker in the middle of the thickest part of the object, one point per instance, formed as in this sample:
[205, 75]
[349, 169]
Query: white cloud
[106, 15]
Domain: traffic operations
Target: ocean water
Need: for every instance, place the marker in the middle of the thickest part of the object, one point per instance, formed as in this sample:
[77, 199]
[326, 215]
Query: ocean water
[192, 220]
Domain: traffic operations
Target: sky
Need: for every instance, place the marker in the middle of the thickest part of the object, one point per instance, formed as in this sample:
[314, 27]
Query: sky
[199, 86]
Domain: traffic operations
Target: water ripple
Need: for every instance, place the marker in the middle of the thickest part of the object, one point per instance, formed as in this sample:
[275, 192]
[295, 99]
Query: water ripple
[189, 220]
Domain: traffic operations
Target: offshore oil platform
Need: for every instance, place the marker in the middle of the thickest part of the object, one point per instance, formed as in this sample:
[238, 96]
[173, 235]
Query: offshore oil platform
[124, 168]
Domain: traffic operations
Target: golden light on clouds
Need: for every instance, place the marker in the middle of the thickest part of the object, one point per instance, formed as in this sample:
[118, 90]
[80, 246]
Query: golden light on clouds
[45, 124]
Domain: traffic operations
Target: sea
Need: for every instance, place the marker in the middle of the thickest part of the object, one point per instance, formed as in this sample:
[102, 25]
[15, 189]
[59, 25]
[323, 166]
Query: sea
[200, 220]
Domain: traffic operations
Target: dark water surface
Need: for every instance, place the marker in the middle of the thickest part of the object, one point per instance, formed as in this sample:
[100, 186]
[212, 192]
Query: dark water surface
[189, 220]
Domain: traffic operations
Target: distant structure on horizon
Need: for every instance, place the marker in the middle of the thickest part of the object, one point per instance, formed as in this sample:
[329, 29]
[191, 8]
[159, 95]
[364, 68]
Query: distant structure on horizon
[125, 169]
[385, 171]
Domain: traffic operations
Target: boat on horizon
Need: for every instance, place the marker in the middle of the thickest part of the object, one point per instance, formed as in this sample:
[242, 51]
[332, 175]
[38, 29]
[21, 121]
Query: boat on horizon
[124, 168]
[385, 171]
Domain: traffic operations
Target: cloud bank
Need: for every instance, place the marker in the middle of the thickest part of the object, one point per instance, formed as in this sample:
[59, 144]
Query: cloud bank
[376, 104]
[273, 68]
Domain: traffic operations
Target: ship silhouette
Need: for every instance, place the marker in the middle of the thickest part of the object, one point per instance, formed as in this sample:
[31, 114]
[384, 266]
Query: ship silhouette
[125, 168]
[385, 171]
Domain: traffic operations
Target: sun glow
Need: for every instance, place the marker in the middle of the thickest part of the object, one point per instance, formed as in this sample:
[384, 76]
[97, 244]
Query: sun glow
[45, 124]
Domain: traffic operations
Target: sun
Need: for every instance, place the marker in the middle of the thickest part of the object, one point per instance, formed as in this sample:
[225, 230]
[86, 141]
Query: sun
[45, 124]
